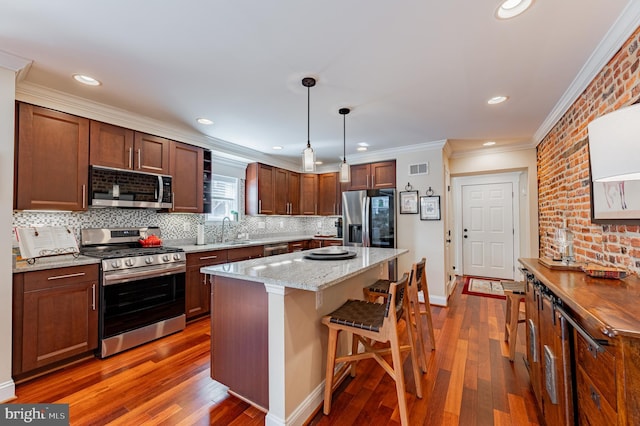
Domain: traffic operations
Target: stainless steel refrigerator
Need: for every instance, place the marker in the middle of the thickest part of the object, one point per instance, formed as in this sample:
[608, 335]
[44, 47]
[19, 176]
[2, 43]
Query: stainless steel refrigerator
[369, 220]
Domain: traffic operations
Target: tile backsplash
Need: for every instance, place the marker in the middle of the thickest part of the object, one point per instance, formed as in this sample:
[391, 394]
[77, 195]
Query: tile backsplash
[178, 226]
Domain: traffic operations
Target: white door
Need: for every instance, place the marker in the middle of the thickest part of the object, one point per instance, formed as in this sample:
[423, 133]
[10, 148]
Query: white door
[487, 230]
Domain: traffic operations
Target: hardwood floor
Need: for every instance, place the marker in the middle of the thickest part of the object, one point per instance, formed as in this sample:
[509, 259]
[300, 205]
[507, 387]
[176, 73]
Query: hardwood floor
[470, 381]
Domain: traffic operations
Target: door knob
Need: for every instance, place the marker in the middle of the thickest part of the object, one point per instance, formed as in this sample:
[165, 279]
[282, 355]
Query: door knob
[465, 229]
[465, 236]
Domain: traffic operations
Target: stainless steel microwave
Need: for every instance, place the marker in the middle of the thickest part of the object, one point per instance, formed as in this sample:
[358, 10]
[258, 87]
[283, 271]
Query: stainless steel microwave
[111, 187]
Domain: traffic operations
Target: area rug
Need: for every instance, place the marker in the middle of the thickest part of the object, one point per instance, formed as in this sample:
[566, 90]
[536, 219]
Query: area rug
[486, 287]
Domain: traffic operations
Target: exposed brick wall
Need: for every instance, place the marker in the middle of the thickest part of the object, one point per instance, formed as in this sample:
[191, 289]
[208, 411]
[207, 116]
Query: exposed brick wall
[563, 168]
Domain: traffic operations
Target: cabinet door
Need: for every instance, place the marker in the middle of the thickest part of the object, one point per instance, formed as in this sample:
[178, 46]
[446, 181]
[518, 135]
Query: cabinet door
[328, 193]
[245, 253]
[296, 246]
[59, 323]
[308, 194]
[294, 193]
[360, 175]
[315, 244]
[187, 162]
[281, 192]
[151, 154]
[110, 146]
[259, 189]
[383, 175]
[532, 299]
[52, 160]
[197, 286]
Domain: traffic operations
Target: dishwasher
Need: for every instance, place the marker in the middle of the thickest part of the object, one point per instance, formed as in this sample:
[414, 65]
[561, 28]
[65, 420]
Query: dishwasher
[273, 249]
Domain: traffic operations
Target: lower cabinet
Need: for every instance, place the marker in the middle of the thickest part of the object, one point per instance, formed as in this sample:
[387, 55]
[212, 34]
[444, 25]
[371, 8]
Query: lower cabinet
[198, 287]
[245, 253]
[55, 318]
[295, 246]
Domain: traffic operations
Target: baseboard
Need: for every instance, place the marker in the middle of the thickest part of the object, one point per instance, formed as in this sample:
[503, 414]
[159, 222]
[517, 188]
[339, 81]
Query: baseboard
[7, 391]
[438, 300]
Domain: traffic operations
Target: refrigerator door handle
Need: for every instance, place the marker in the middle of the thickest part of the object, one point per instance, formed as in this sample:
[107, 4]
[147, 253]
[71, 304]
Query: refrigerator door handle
[366, 242]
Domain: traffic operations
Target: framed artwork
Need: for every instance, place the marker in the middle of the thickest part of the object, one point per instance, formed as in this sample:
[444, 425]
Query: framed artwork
[615, 202]
[409, 202]
[430, 207]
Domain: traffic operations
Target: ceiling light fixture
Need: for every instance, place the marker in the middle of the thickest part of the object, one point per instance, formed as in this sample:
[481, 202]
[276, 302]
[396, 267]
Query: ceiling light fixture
[85, 79]
[362, 148]
[512, 8]
[277, 148]
[204, 121]
[308, 155]
[489, 143]
[497, 100]
[345, 169]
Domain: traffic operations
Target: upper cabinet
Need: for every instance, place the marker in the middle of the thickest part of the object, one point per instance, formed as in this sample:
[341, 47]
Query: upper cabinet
[187, 167]
[259, 189]
[114, 146]
[287, 192]
[373, 175]
[309, 194]
[329, 194]
[52, 158]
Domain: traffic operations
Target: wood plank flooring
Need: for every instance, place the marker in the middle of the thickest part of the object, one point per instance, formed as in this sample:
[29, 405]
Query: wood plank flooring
[470, 381]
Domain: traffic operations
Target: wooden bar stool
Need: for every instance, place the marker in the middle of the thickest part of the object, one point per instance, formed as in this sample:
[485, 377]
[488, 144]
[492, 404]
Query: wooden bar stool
[368, 322]
[417, 283]
[514, 293]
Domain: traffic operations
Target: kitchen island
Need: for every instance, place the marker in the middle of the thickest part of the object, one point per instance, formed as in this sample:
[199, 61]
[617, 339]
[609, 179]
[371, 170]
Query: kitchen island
[268, 344]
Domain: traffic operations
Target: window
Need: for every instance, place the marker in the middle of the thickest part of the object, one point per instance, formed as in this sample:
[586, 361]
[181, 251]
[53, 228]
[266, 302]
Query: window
[224, 198]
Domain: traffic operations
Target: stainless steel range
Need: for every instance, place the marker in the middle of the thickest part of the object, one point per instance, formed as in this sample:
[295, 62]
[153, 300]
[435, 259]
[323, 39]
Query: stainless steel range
[142, 289]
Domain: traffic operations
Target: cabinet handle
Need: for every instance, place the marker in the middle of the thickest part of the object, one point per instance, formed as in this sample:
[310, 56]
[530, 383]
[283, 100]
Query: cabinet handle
[93, 297]
[367, 181]
[595, 397]
[259, 206]
[316, 208]
[131, 158]
[334, 209]
[208, 257]
[373, 181]
[204, 279]
[84, 196]
[139, 158]
[59, 277]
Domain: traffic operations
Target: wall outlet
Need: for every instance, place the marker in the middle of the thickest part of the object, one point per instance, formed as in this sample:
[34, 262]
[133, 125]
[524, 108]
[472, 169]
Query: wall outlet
[281, 224]
[261, 225]
[186, 227]
[319, 225]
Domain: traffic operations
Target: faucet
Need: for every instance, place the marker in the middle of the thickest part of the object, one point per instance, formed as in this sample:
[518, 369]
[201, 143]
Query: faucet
[225, 218]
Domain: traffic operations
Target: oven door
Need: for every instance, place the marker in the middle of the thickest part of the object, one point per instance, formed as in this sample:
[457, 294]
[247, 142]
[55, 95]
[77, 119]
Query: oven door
[135, 299]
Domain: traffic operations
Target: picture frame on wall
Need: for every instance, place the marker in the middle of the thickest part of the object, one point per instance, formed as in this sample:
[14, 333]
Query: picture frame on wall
[430, 207]
[615, 202]
[409, 202]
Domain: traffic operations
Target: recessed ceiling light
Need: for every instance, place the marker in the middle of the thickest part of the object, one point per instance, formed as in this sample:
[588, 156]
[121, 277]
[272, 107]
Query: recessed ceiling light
[489, 143]
[512, 8]
[363, 144]
[85, 79]
[277, 148]
[204, 121]
[497, 100]
[318, 162]
[362, 148]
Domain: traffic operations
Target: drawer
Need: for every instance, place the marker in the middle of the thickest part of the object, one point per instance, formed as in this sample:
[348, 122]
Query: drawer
[207, 258]
[593, 408]
[601, 367]
[40, 280]
[245, 253]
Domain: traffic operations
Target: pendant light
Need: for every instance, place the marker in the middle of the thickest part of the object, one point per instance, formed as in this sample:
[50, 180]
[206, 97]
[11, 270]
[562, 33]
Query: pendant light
[345, 169]
[308, 155]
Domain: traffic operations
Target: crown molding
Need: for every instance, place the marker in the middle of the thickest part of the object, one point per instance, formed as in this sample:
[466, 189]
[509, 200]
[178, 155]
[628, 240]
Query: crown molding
[617, 35]
[389, 153]
[15, 63]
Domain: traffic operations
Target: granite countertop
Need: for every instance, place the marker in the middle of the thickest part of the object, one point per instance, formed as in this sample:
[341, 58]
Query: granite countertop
[292, 270]
[51, 262]
[193, 248]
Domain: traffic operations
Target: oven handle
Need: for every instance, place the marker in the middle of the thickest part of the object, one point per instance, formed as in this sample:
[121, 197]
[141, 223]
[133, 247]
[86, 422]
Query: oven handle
[147, 272]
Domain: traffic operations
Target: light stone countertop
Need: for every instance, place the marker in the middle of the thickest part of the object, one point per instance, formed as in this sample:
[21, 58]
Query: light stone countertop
[51, 262]
[292, 270]
[193, 248]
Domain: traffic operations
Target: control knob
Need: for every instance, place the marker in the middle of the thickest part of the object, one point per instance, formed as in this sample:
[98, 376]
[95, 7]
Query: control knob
[176, 256]
[116, 263]
[166, 258]
[148, 260]
[129, 262]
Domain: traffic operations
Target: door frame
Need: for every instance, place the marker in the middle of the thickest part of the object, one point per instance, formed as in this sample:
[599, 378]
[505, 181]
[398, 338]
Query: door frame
[458, 183]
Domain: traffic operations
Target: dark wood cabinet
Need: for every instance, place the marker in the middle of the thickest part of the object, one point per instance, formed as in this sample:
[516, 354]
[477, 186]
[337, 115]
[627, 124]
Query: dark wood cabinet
[55, 317]
[110, 146]
[295, 246]
[197, 286]
[245, 253]
[329, 194]
[373, 175]
[207, 182]
[121, 148]
[309, 194]
[259, 189]
[52, 158]
[286, 192]
[187, 162]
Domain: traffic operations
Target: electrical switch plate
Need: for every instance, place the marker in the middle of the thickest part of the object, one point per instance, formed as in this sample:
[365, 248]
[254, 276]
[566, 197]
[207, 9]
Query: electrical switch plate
[186, 227]
[261, 225]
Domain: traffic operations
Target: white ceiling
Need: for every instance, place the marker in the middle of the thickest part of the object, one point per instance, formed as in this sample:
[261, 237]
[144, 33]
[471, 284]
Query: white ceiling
[412, 71]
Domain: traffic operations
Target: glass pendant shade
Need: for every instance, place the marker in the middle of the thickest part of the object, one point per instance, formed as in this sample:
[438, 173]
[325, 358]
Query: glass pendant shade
[345, 172]
[308, 159]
